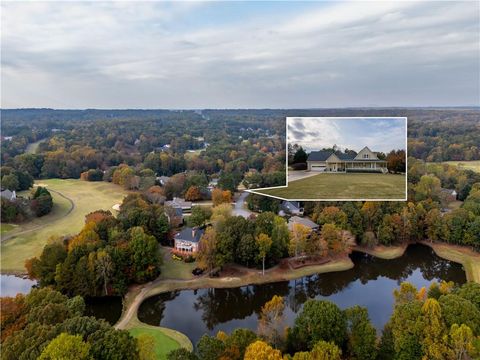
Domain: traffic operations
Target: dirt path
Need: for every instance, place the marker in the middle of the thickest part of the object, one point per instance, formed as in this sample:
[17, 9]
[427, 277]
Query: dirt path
[137, 294]
[14, 234]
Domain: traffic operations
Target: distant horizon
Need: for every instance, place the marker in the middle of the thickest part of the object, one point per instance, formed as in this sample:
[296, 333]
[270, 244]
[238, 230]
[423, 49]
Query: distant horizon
[256, 108]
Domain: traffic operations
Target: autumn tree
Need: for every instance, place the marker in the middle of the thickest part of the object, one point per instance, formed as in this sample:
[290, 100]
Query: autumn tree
[271, 321]
[361, 334]
[220, 196]
[207, 251]
[298, 239]
[66, 347]
[264, 243]
[433, 341]
[260, 350]
[193, 194]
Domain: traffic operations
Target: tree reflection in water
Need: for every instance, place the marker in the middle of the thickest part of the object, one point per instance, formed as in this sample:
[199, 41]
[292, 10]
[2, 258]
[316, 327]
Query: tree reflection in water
[370, 283]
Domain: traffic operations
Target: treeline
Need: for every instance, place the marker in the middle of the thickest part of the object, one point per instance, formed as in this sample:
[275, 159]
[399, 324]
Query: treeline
[162, 141]
[441, 322]
[108, 254]
[40, 203]
[48, 325]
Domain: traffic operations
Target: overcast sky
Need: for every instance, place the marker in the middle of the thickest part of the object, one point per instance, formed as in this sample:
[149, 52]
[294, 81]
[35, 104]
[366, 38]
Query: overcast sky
[239, 55]
[379, 134]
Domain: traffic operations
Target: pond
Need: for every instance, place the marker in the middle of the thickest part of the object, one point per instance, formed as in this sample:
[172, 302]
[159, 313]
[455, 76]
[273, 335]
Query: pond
[370, 284]
[108, 308]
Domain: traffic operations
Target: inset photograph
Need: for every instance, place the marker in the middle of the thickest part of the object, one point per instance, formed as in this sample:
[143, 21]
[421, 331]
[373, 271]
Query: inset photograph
[340, 158]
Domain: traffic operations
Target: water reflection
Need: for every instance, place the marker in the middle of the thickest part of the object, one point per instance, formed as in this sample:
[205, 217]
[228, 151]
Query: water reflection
[11, 285]
[370, 283]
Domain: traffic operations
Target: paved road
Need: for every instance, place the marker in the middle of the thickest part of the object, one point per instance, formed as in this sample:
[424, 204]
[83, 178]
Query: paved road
[239, 209]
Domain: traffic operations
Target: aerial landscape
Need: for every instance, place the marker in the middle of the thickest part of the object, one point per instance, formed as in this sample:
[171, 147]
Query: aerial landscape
[157, 202]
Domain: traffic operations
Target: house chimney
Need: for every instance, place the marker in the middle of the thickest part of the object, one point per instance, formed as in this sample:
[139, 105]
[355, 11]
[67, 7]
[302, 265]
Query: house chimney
[194, 230]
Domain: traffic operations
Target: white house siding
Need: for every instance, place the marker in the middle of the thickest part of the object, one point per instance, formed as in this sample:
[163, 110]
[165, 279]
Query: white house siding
[366, 150]
[316, 165]
[186, 246]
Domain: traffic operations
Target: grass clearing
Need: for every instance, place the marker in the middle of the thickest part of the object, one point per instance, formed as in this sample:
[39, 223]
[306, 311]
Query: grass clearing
[4, 228]
[343, 186]
[163, 343]
[459, 254]
[383, 252]
[27, 240]
[176, 269]
[473, 165]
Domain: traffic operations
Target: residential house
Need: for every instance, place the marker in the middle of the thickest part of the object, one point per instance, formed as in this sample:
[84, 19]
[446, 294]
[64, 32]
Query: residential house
[292, 207]
[8, 195]
[335, 161]
[186, 206]
[162, 180]
[186, 241]
[302, 220]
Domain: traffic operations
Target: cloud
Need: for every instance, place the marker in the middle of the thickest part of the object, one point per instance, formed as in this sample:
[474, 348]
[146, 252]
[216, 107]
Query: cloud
[196, 54]
[379, 134]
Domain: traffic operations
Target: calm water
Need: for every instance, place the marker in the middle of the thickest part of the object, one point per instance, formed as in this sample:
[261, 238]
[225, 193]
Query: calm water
[370, 283]
[108, 308]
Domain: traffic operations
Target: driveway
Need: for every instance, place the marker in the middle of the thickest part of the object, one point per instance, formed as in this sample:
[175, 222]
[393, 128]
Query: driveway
[239, 209]
[301, 174]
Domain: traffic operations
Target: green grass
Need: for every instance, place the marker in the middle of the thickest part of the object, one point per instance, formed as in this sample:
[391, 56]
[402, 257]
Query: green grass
[4, 228]
[175, 269]
[470, 165]
[163, 343]
[28, 239]
[344, 186]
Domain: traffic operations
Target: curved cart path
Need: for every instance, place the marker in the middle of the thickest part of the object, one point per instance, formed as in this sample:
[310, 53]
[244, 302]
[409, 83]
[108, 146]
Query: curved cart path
[14, 234]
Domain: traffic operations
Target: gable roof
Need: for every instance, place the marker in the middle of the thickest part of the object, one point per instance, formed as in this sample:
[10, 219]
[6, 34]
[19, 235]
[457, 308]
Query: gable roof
[304, 221]
[321, 155]
[189, 234]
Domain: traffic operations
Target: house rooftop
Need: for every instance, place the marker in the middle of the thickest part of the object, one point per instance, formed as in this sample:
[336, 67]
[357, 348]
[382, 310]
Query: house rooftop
[190, 234]
[304, 221]
[179, 203]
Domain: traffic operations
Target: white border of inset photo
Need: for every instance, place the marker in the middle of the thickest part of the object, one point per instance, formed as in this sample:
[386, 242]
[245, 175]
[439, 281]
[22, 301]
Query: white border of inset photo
[290, 118]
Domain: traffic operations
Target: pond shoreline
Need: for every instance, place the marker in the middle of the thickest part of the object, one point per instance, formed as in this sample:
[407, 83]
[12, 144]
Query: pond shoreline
[137, 294]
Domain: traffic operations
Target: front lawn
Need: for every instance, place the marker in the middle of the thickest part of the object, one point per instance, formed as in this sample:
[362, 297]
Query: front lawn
[344, 186]
[175, 269]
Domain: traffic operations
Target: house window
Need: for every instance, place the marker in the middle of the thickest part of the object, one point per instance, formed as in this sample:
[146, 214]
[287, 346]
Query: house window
[365, 156]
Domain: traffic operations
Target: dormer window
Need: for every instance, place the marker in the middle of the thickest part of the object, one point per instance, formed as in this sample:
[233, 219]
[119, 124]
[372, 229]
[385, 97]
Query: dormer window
[365, 156]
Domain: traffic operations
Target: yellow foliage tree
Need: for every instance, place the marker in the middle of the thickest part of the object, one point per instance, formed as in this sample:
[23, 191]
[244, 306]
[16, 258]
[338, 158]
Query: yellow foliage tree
[271, 320]
[260, 350]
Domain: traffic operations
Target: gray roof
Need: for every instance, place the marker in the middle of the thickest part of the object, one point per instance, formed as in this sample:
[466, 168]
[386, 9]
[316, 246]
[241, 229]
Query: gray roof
[7, 194]
[321, 155]
[291, 205]
[178, 202]
[304, 221]
[189, 234]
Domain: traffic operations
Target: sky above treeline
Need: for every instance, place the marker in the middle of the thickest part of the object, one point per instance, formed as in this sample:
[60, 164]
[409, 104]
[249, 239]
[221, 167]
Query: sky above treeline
[379, 134]
[199, 54]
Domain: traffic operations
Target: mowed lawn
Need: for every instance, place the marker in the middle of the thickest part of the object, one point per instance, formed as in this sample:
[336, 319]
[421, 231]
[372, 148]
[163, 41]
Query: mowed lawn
[28, 239]
[163, 343]
[344, 186]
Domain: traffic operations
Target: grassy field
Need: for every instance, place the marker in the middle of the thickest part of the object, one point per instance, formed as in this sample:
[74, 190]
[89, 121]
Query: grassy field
[32, 147]
[175, 269]
[67, 217]
[343, 186]
[473, 165]
[4, 228]
[163, 343]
